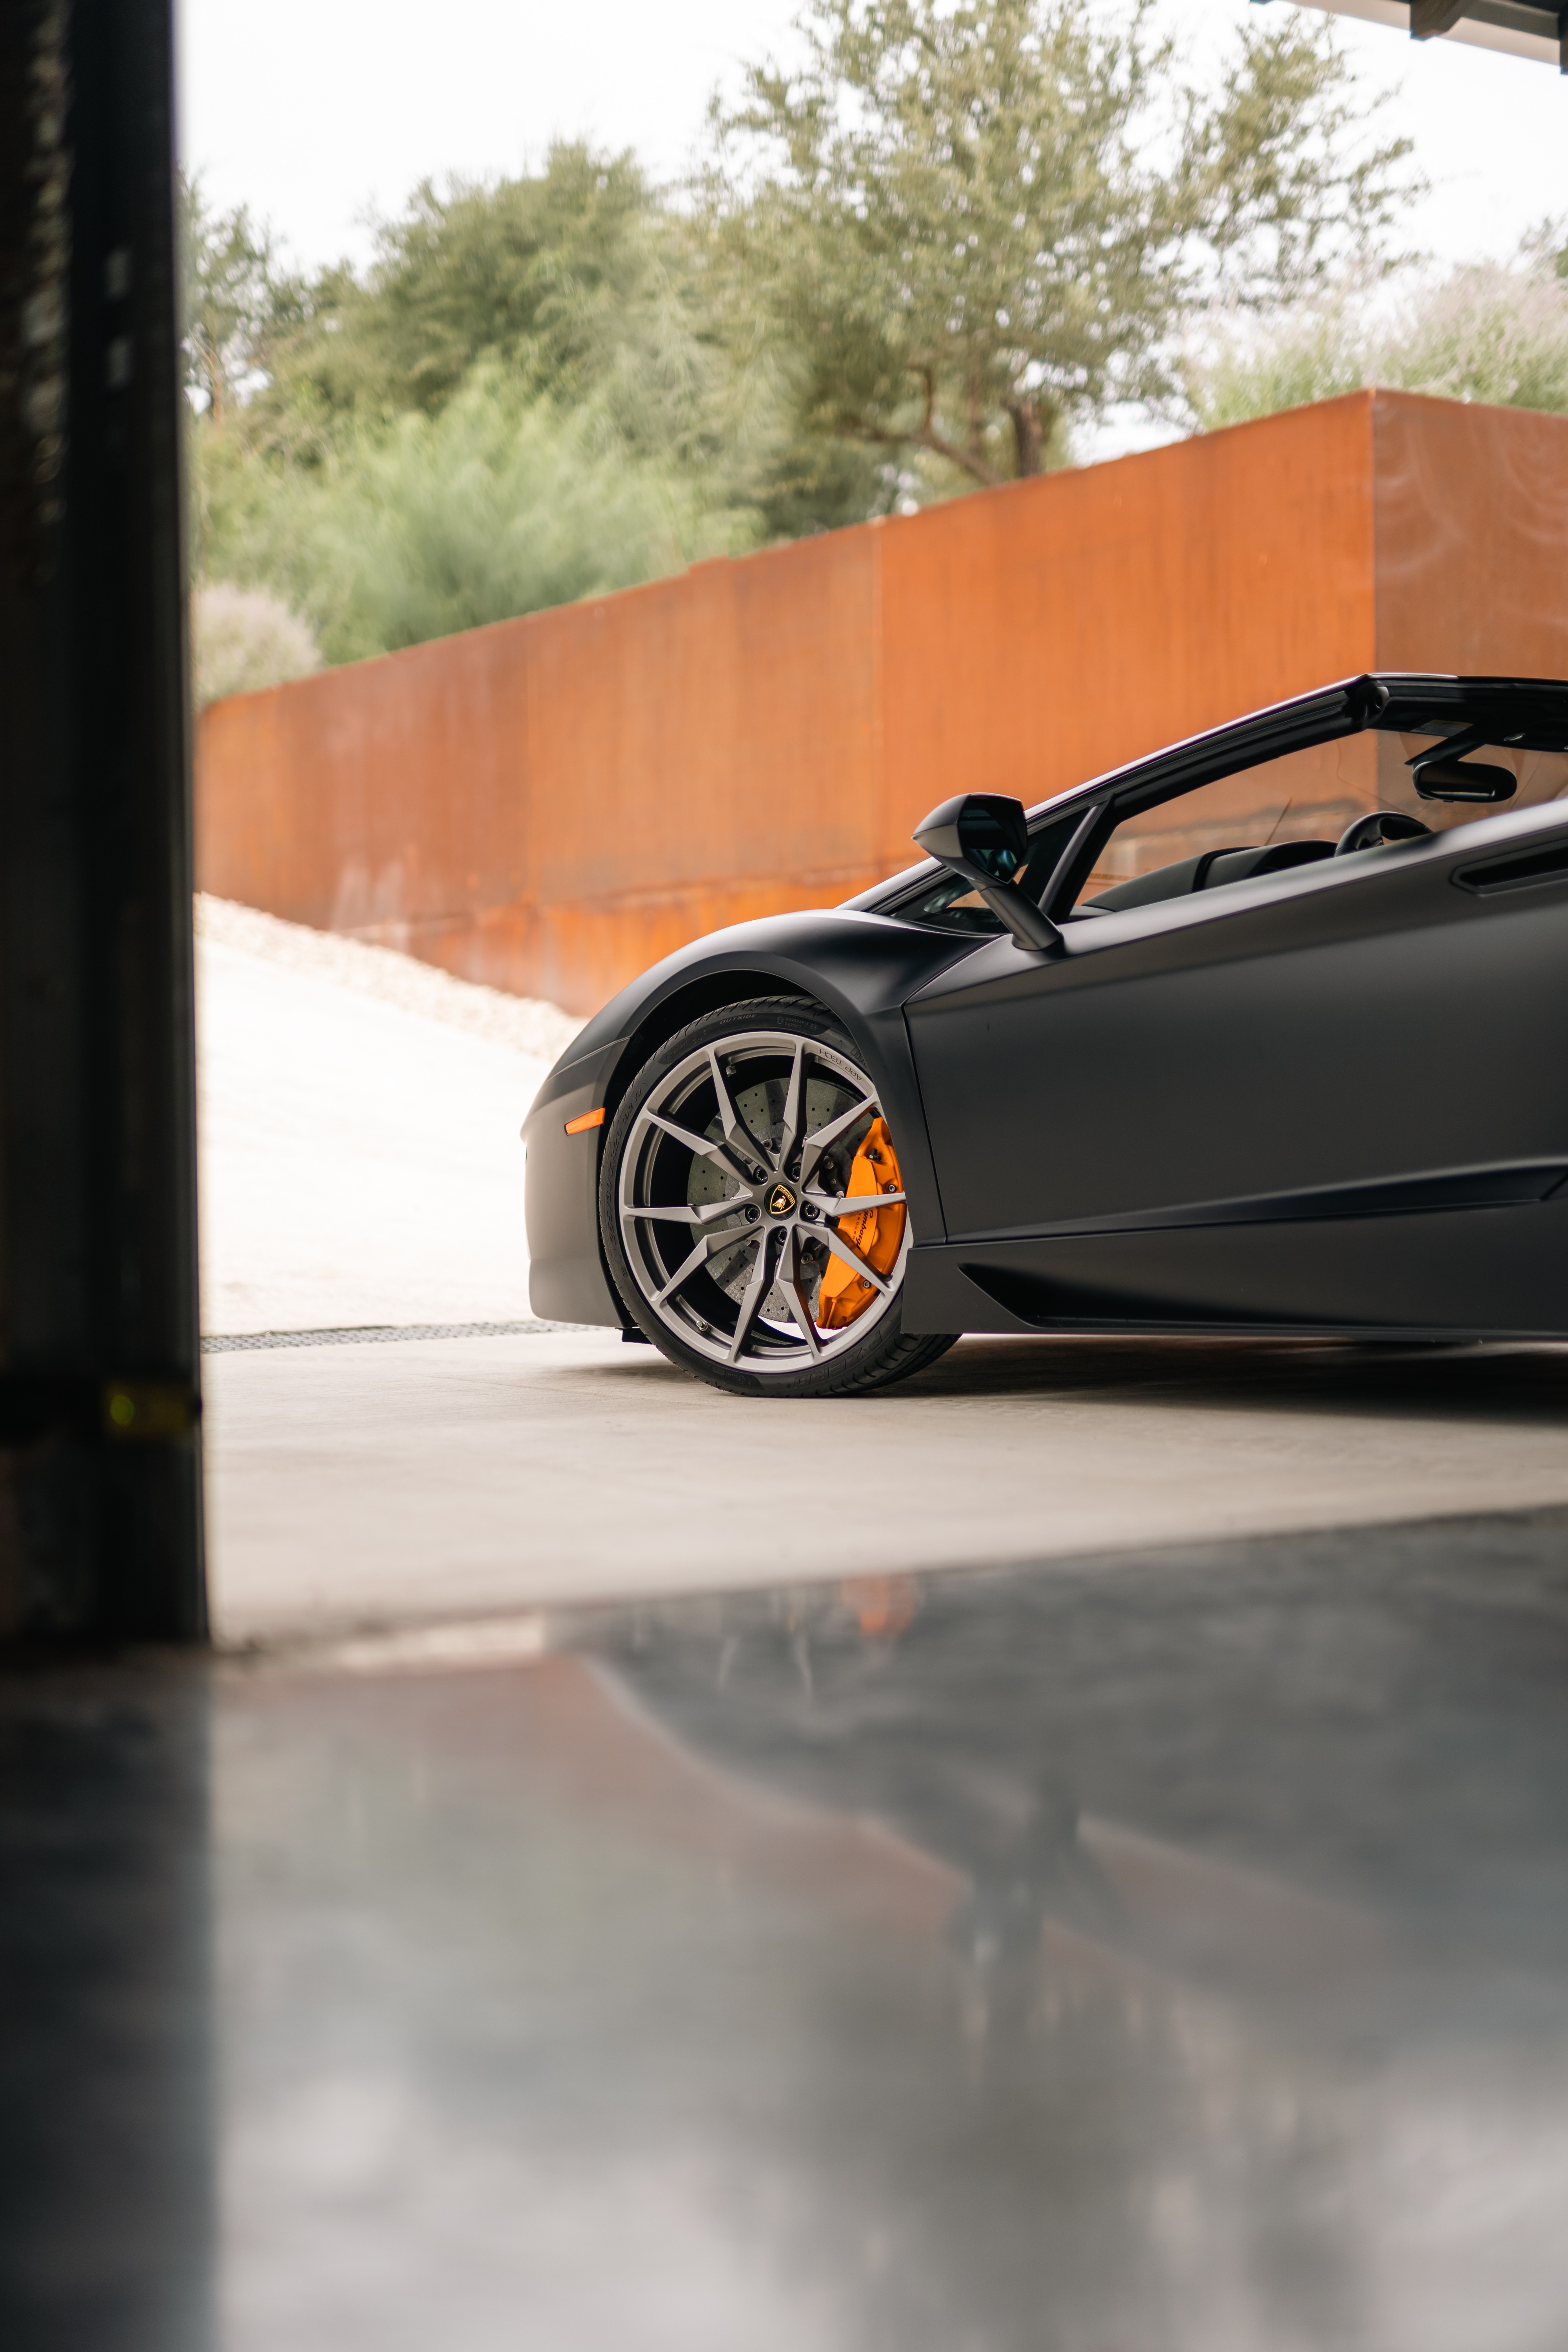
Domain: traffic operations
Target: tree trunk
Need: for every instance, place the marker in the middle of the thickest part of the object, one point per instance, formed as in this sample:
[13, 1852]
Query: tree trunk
[1028, 436]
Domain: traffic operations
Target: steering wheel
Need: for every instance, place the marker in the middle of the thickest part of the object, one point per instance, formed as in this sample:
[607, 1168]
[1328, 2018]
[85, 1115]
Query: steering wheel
[1377, 826]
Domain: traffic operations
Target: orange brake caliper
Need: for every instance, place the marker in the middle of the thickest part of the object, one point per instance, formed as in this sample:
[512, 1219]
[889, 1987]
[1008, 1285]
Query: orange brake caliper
[875, 1233]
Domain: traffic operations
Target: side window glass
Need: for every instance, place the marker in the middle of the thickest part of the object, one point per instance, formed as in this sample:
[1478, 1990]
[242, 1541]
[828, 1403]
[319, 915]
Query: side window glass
[1284, 813]
[950, 905]
[1307, 797]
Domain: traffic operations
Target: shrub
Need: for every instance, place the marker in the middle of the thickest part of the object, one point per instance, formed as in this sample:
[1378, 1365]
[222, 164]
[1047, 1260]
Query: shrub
[414, 529]
[1485, 334]
[243, 639]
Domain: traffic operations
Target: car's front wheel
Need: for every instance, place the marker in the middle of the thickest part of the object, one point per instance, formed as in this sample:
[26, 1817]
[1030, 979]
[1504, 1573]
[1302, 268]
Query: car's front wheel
[753, 1208]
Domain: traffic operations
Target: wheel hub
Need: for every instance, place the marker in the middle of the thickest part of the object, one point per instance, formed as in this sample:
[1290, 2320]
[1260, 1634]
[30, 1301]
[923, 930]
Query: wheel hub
[758, 1249]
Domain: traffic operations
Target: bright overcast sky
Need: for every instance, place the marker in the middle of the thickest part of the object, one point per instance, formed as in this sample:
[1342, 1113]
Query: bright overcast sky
[313, 110]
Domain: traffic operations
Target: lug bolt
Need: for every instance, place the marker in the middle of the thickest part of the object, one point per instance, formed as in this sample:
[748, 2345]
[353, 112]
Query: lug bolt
[809, 1210]
[752, 1214]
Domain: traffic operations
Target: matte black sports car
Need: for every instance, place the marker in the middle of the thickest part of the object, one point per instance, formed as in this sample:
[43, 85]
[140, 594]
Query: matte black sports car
[1231, 1040]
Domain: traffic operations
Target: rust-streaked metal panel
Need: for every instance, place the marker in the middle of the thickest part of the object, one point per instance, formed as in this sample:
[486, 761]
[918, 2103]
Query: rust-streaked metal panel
[701, 750]
[551, 804]
[1036, 634]
[1472, 538]
[388, 799]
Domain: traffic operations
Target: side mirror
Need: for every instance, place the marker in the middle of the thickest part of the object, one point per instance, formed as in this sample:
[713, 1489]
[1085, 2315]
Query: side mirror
[985, 836]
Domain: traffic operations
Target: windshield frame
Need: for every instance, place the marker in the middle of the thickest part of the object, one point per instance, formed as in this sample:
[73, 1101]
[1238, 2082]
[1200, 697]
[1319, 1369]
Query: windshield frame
[1529, 713]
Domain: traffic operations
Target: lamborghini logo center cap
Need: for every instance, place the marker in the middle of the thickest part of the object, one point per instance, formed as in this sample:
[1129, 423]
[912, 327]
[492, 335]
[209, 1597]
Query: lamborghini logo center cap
[781, 1201]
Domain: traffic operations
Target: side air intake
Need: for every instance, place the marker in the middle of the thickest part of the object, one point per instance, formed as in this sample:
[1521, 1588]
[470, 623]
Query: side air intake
[1526, 872]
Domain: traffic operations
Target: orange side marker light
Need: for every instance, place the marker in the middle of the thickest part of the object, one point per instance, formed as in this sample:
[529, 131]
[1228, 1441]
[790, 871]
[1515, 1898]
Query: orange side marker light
[589, 1119]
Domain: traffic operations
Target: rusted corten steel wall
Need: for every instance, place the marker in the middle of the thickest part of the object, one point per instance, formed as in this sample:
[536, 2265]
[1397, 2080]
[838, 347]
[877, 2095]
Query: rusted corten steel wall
[551, 804]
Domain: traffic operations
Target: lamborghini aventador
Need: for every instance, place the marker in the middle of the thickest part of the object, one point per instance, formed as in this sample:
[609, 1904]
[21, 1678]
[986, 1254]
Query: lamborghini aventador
[1266, 1034]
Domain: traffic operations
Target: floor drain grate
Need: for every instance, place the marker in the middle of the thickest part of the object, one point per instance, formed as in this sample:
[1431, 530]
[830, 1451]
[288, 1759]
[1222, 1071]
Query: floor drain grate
[220, 1343]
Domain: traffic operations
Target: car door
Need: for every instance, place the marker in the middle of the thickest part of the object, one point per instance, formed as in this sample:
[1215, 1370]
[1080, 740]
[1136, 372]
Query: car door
[1331, 1099]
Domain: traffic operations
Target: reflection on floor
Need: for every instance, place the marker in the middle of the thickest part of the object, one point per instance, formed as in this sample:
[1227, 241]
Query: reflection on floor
[1161, 1952]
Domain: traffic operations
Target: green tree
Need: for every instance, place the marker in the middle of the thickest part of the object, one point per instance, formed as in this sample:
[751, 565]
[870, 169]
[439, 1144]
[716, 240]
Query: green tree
[1546, 248]
[571, 280]
[966, 226]
[239, 302]
[513, 408]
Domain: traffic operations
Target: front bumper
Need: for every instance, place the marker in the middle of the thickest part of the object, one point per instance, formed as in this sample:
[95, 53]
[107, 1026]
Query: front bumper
[566, 1278]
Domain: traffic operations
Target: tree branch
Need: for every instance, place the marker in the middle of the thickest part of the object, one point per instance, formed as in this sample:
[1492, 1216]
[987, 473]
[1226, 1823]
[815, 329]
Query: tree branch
[923, 437]
[972, 466]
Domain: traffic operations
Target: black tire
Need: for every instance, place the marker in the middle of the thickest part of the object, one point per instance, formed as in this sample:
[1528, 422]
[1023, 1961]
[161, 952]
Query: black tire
[700, 1319]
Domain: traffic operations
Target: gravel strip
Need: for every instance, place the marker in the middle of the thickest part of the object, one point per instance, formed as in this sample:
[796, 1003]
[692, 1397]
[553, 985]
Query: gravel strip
[526, 1023]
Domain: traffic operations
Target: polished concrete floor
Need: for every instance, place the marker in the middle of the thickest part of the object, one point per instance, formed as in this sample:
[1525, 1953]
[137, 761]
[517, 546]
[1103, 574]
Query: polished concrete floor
[1154, 1950]
[376, 1484]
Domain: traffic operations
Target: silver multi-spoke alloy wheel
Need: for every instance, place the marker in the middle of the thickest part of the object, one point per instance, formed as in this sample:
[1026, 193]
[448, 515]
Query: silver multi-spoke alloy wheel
[731, 1190]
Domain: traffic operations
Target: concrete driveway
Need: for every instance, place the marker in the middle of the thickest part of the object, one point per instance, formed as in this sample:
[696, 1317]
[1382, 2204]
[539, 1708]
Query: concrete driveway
[371, 1485]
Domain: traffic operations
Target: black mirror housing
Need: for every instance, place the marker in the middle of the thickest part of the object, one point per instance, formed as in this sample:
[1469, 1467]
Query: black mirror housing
[985, 836]
[1462, 780]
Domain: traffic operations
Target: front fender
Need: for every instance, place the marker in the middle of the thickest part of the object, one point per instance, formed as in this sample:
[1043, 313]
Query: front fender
[859, 967]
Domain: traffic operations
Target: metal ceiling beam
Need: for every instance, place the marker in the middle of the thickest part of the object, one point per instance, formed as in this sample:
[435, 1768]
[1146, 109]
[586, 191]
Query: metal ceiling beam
[1523, 29]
